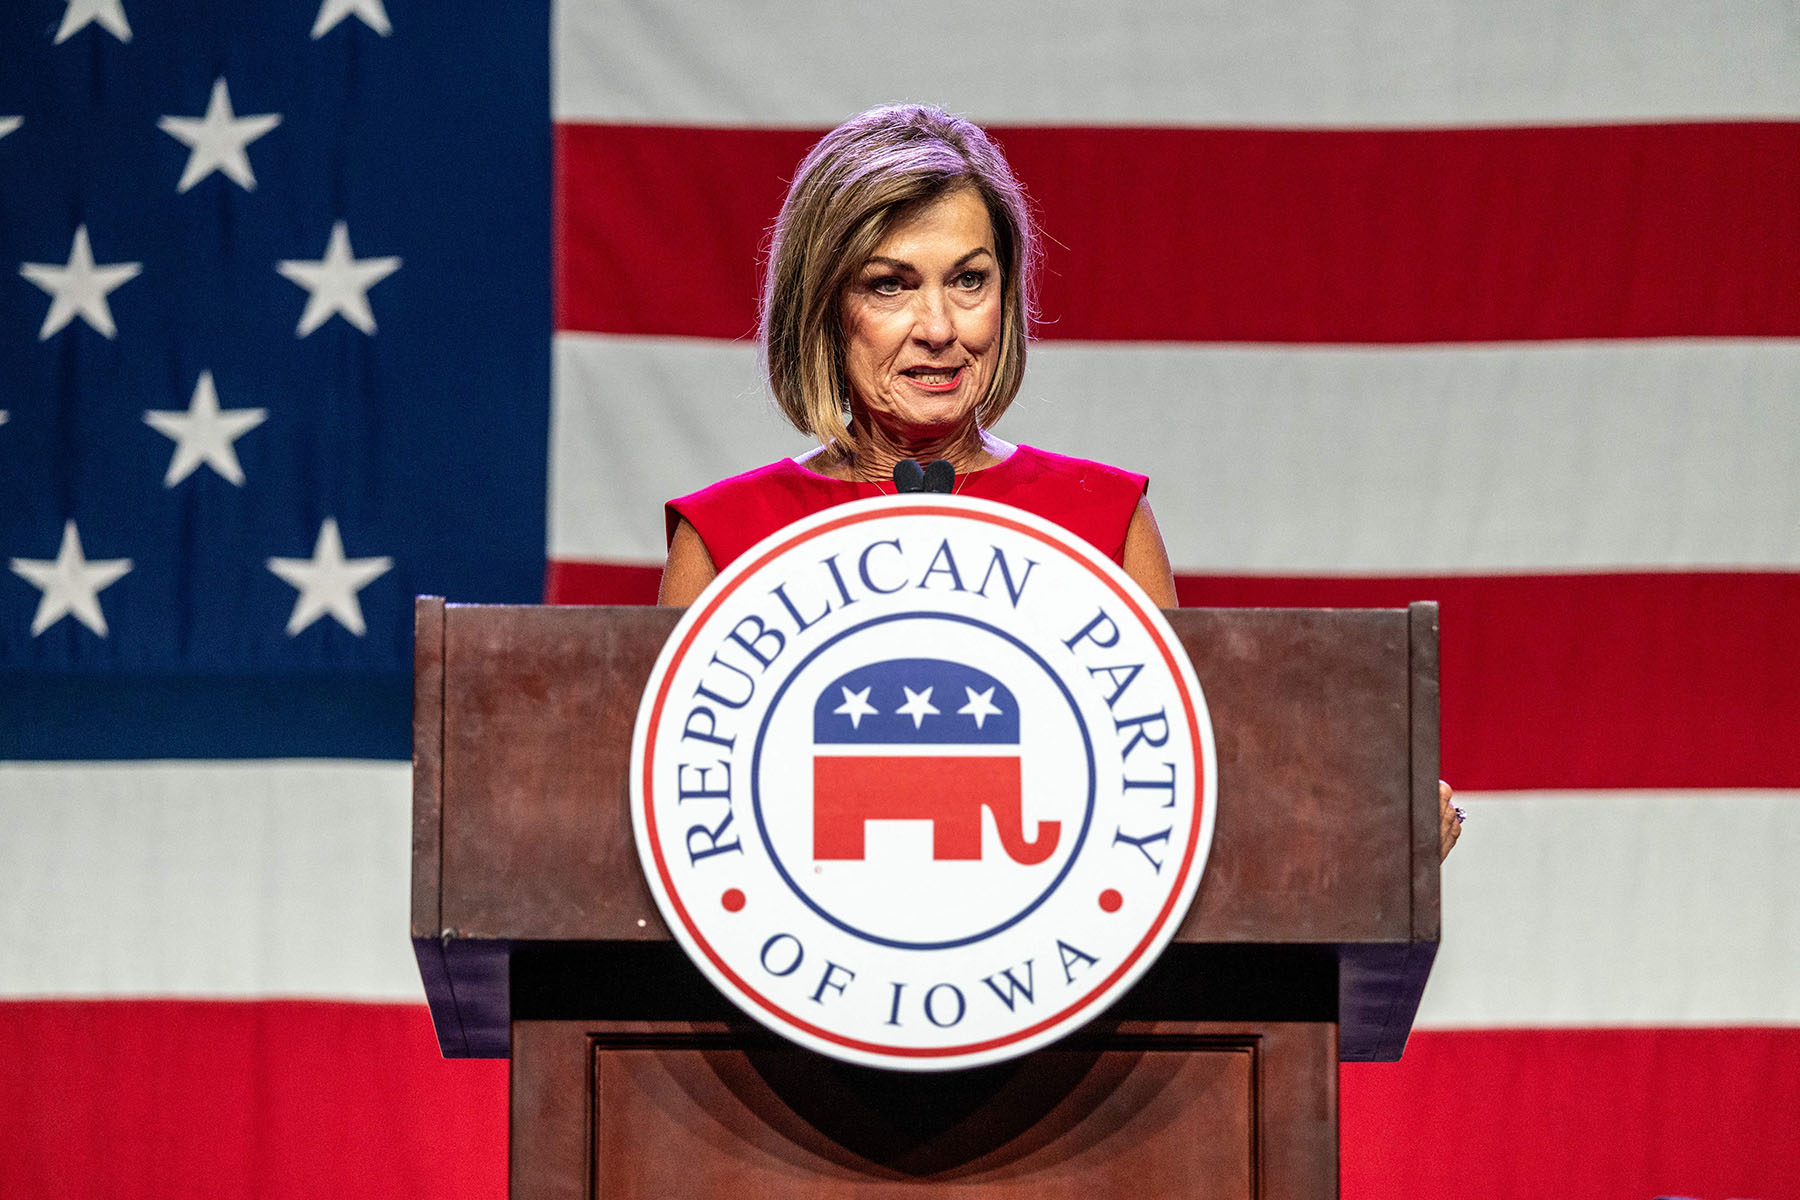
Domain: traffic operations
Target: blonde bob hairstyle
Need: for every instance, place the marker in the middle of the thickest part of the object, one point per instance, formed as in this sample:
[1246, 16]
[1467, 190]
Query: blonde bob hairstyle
[854, 186]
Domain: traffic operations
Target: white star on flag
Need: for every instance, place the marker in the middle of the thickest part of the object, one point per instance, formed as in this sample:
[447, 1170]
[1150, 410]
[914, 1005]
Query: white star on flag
[369, 12]
[328, 582]
[79, 288]
[856, 706]
[2, 416]
[109, 14]
[339, 283]
[218, 141]
[917, 706]
[981, 705]
[8, 124]
[205, 434]
[70, 583]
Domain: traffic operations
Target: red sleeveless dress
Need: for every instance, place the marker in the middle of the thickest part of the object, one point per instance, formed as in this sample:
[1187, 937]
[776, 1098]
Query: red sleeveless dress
[1089, 499]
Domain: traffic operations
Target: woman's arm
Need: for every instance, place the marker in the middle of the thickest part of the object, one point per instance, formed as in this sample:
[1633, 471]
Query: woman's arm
[689, 569]
[1146, 558]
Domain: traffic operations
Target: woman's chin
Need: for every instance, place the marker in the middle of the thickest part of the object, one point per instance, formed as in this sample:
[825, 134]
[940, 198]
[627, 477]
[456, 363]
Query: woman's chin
[928, 415]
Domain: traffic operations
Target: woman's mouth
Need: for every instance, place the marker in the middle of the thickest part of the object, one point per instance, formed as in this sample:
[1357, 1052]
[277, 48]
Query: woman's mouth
[934, 379]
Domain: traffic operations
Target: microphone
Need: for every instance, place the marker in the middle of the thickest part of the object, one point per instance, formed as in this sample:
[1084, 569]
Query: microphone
[909, 476]
[940, 476]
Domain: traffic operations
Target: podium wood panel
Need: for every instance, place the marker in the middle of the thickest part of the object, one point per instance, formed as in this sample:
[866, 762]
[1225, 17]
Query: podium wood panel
[1326, 840]
[1208, 1110]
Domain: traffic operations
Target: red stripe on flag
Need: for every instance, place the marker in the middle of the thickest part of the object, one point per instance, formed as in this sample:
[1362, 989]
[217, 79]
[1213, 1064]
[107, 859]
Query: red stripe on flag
[180, 1099]
[186, 1099]
[1534, 1114]
[1665, 680]
[1366, 236]
[600, 583]
[1655, 680]
[661, 230]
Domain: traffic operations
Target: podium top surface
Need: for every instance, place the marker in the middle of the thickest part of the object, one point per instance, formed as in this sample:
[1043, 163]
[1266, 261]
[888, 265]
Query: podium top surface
[1325, 849]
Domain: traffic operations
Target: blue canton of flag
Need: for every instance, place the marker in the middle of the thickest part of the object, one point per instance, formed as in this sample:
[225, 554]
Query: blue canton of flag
[274, 357]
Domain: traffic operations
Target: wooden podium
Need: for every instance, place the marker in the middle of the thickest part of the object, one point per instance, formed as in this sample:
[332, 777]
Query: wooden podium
[1309, 942]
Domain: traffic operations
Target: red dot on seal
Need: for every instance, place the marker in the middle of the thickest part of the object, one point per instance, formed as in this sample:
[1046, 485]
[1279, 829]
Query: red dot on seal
[733, 900]
[1110, 900]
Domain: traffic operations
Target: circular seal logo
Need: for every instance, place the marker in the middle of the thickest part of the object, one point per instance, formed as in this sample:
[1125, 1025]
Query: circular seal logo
[923, 783]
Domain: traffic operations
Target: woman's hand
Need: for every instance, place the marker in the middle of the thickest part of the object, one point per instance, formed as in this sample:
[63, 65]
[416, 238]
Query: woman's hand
[1450, 821]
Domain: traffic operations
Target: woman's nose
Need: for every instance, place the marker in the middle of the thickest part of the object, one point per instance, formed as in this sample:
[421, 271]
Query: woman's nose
[932, 323]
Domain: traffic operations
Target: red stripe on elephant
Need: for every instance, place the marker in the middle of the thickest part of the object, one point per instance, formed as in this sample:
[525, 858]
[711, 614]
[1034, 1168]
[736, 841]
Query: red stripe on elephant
[851, 790]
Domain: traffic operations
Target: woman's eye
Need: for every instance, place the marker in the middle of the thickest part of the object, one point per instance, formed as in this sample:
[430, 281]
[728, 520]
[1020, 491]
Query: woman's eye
[887, 285]
[971, 280]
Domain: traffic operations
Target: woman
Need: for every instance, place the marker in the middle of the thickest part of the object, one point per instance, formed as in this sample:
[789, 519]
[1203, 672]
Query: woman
[899, 295]
[895, 324]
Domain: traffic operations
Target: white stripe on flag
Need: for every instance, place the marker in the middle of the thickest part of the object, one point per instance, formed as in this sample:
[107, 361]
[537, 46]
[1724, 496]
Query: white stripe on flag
[1621, 909]
[227, 879]
[1175, 62]
[1538, 457]
[290, 879]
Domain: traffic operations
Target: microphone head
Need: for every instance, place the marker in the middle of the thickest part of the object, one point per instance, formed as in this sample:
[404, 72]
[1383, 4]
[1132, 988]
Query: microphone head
[940, 476]
[909, 476]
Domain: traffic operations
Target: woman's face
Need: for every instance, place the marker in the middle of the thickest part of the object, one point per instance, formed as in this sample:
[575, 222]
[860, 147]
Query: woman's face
[922, 319]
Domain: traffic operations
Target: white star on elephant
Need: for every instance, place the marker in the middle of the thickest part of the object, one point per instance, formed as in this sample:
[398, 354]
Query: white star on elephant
[981, 705]
[918, 706]
[856, 706]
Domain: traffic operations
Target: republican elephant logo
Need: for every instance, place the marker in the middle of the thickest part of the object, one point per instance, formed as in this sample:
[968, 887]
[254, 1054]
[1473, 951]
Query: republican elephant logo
[921, 739]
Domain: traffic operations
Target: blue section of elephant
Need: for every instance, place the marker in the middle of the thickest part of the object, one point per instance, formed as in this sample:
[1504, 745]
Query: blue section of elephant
[891, 703]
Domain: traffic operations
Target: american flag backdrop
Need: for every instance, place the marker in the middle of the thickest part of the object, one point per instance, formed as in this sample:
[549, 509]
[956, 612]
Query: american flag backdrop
[313, 305]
